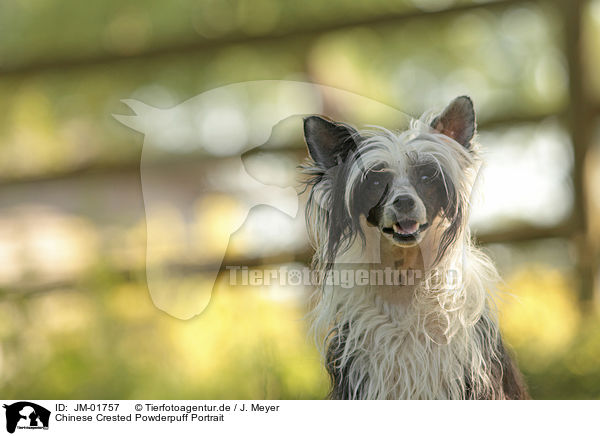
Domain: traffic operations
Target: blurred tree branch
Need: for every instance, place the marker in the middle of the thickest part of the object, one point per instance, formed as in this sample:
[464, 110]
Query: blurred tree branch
[310, 30]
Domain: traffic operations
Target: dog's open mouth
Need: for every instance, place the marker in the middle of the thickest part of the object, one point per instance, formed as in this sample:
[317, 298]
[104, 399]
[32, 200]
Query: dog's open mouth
[406, 230]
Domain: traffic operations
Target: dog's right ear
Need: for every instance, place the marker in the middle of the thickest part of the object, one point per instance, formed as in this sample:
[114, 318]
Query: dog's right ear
[328, 142]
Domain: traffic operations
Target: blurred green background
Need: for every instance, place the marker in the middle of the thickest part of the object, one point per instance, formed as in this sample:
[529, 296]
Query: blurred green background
[76, 318]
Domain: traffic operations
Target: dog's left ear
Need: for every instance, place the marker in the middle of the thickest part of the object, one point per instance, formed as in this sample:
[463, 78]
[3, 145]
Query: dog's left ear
[457, 121]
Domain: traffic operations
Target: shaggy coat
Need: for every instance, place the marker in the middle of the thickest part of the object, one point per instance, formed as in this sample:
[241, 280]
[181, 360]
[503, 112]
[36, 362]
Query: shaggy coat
[398, 201]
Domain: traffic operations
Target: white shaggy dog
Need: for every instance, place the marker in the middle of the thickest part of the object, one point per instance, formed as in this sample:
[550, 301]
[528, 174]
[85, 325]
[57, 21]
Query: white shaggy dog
[392, 207]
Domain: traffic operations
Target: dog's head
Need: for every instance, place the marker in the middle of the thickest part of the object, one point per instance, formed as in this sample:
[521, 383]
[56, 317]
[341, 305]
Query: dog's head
[400, 182]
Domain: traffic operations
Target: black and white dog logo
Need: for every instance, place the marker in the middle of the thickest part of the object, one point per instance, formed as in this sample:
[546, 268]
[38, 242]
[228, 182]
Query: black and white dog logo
[26, 415]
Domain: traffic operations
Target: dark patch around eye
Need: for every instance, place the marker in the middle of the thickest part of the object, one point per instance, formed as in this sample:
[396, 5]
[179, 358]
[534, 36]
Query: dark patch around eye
[432, 187]
[370, 194]
[427, 173]
[376, 182]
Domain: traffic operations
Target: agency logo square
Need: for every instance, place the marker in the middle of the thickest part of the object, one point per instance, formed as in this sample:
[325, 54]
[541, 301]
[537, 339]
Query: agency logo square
[24, 415]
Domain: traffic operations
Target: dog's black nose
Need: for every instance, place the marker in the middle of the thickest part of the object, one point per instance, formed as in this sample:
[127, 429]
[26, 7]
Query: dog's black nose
[404, 203]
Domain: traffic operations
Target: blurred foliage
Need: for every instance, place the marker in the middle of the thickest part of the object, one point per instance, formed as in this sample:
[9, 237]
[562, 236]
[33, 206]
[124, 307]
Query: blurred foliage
[110, 341]
[557, 349]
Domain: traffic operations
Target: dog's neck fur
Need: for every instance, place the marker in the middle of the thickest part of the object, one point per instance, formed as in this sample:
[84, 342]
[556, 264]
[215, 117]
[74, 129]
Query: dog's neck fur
[415, 259]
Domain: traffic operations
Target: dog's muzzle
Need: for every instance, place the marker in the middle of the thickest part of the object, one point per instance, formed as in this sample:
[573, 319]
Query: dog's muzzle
[404, 220]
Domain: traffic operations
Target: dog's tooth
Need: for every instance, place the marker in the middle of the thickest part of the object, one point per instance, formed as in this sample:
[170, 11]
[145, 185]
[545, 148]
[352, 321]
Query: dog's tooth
[396, 228]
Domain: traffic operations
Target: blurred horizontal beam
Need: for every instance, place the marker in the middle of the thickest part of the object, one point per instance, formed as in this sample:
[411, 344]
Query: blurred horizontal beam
[107, 169]
[516, 235]
[524, 233]
[20, 290]
[188, 47]
[520, 118]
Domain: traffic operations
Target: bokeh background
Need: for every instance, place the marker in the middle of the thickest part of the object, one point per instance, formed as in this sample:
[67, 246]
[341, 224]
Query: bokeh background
[76, 317]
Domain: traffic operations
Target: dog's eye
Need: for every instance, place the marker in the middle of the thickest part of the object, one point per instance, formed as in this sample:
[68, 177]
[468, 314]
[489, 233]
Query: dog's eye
[428, 174]
[375, 182]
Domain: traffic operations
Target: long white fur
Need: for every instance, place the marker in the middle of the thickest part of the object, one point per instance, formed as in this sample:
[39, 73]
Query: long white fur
[423, 349]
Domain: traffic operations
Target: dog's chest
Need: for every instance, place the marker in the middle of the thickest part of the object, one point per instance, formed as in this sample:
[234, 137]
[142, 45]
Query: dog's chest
[394, 357]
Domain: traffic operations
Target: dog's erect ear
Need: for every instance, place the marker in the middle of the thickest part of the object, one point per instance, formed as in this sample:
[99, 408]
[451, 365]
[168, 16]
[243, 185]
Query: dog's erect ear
[457, 121]
[328, 142]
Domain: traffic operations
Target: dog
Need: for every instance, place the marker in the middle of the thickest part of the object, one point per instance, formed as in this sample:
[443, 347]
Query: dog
[384, 204]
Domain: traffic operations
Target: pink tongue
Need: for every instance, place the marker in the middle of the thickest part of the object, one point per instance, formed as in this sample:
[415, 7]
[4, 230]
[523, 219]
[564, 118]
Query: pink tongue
[406, 227]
